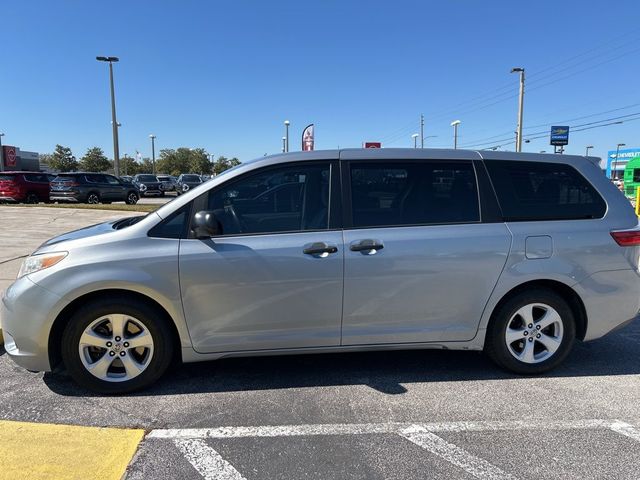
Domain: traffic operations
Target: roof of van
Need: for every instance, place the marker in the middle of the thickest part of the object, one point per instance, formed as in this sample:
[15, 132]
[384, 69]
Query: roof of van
[427, 153]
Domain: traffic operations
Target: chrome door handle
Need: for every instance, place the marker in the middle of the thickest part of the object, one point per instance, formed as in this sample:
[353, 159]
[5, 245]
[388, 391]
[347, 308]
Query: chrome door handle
[318, 248]
[366, 245]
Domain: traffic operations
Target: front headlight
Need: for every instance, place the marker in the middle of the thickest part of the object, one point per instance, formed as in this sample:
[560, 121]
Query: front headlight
[35, 263]
[142, 187]
[185, 187]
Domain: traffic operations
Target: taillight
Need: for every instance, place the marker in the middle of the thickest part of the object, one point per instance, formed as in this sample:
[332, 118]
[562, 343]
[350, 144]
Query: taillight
[627, 238]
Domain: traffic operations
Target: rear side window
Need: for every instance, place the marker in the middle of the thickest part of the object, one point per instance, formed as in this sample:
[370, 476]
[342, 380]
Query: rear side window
[416, 193]
[543, 191]
[5, 178]
[93, 178]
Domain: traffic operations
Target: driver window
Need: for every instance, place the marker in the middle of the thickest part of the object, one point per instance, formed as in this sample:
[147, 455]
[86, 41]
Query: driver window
[286, 199]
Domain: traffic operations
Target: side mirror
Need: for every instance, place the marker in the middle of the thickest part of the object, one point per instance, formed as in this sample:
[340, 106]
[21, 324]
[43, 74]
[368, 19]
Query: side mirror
[205, 224]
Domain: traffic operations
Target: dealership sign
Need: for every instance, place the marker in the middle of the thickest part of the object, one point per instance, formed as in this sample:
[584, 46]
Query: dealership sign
[559, 135]
[10, 156]
[372, 145]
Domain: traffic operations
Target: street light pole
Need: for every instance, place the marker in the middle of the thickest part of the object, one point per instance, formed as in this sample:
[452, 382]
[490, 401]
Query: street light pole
[615, 160]
[286, 127]
[114, 122]
[415, 140]
[1, 154]
[455, 124]
[421, 130]
[153, 152]
[586, 153]
[520, 108]
[284, 144]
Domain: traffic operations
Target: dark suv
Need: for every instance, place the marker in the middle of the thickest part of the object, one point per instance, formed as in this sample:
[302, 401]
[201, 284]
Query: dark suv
[92, 188]
[148, 185]
[186, 181]
[24, 187]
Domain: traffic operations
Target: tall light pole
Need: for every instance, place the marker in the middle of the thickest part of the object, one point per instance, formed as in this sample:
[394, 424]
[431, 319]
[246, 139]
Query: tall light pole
[286, 135]
[415, 139]
[520, 108]
[153, 152]
[615, 160]
[1, 154]
[455, 124]
[284, 144]
[588, 147]
[114, 122]
[421, 130]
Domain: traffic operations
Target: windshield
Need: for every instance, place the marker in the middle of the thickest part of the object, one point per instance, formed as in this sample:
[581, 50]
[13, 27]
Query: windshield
[146, 178]
[191, 178]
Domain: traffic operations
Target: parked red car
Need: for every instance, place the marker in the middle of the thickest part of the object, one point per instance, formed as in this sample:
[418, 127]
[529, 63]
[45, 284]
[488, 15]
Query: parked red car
[24, 187]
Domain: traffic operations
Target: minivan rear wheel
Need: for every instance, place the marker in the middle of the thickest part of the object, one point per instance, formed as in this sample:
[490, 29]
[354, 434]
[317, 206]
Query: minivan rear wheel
[116, 346]
[531, 333]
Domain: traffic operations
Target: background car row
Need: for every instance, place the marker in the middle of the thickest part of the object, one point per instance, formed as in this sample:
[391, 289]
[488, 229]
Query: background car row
[88, 187]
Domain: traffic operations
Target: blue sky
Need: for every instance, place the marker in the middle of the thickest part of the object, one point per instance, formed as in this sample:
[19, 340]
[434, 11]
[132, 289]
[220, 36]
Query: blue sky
[225, 75]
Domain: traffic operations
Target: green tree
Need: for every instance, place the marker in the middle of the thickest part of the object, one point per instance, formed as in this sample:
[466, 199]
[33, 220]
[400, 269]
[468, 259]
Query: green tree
[94, 161]
[183, 160]
[224, 163]
[146, 166]
[129, 166]
[63, 160]
[199, 161]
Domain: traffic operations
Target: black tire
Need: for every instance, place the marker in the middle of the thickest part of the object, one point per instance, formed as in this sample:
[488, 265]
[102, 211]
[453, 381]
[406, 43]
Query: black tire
[162, 194]
[156, 324]
[496, 345]
[93, 198]
[32, 198]
[132, 198]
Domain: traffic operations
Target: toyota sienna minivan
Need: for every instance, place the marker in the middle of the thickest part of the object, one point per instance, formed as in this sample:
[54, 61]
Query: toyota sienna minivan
[515, 254]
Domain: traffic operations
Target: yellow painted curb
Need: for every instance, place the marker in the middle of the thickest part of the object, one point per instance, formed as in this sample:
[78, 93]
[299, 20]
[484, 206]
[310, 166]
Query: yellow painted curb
[60, 452]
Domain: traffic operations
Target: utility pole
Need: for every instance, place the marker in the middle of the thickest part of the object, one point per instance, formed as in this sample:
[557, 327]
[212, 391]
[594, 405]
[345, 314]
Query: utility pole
[415, 140]
[421, 130]
[520, 108]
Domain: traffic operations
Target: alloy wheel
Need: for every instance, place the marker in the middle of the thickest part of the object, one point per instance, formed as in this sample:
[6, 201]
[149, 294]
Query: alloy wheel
[534, 333]
[116, 347]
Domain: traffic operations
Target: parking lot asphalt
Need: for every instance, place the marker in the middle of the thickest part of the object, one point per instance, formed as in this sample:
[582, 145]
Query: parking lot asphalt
[415, 414]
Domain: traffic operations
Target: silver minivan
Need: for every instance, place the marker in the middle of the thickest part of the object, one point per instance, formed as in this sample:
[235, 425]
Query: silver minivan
[330, 251]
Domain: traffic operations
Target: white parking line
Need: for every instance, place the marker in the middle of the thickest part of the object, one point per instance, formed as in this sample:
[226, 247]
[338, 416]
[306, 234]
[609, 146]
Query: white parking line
[210, 464]
[626, 429]
[207, 461]
[455, 455]
[369, 428]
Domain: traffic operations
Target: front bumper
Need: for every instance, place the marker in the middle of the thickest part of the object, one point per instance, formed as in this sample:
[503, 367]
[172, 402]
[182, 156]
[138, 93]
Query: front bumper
[64, 197]
[25, 311]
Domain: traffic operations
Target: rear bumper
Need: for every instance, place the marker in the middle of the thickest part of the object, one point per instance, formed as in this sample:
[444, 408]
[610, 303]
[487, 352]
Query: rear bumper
[611, 299]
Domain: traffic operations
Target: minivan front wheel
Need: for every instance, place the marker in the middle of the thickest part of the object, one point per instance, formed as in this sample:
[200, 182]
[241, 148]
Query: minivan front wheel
[116, 346]
[531, 333]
